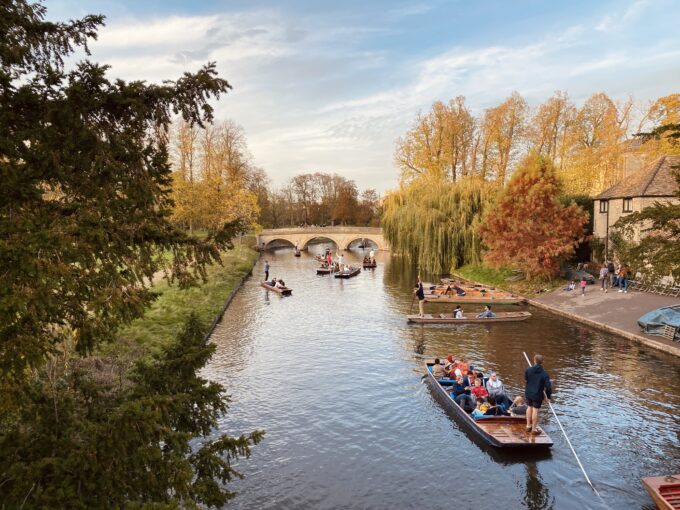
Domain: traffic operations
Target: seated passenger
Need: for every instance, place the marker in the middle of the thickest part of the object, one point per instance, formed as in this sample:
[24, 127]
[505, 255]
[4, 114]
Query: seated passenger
[518, 407]
[471, 377]
[494, 385]
[478, 390]
[463, 365]
[478, 413]
[494, 409]
[487, 313]
[461, 394]
[458, 313]
[438, 370]
[280, 284]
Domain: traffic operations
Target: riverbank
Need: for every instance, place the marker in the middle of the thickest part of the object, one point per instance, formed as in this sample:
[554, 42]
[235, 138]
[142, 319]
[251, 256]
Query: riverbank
[613, 312]
[507, 279]
[163, 320]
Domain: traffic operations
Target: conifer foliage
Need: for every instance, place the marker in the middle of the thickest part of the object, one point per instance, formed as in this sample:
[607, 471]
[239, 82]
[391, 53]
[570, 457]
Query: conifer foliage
[528, 227]
[82, 444]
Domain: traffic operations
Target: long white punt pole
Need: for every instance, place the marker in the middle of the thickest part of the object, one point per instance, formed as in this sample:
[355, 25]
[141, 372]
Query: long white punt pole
[566, 436]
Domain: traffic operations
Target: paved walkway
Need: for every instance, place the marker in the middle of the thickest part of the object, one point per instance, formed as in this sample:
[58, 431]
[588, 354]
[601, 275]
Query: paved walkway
[612, 311]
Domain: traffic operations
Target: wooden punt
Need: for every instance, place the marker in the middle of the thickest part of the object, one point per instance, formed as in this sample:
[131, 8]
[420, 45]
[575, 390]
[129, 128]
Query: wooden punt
[284, 292]
[369, 265]
[664, 490]
[353, 271]
[497, 431]
[324, 270]
[442, 318]
[474, 296]
[297, 253]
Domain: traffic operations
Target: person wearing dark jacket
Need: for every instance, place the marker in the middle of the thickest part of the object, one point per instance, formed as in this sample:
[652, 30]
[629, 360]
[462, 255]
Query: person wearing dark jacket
[461, 394]
[537, 388]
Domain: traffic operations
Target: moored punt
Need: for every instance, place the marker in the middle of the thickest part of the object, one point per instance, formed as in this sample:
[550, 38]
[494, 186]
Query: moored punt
[664, 490]
[284, 291]
[442, 318]
[498, 431]
[473, 296]
[348, 273]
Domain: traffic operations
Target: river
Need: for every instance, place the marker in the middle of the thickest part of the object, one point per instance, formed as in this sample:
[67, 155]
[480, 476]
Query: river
[334, 375]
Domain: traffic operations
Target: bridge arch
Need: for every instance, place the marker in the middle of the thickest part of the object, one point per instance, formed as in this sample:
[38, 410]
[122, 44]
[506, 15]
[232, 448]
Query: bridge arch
[341, 236]
[363, 238]
[328, 238]
[288, 243]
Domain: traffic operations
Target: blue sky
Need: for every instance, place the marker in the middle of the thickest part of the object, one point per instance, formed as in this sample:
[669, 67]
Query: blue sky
[329, 86]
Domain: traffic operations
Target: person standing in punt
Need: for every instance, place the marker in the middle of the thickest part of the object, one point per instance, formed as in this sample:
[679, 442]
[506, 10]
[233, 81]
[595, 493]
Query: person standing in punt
[420, 294]
[538, 387]
[266, 270]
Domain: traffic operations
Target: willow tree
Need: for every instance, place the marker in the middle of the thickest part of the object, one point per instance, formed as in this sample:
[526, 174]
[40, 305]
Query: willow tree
[435, 221]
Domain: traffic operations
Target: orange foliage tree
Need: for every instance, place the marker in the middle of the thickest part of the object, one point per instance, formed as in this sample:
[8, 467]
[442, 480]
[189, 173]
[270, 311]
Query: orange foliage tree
[529, 228]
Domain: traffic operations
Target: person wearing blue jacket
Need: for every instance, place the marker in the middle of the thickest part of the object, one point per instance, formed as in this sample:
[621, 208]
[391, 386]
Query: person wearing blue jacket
[538, 387]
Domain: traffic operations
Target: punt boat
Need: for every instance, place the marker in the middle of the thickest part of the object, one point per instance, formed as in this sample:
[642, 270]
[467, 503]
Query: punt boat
[284, 292]
[441, 318]
[325, 270]
[497, 431]
[297, 253]
[348, 273]
[664, 490]
[480, 296]
[369, 265]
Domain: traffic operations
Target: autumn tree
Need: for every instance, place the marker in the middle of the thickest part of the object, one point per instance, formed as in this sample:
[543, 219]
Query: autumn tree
[529, 228]
[550, 127]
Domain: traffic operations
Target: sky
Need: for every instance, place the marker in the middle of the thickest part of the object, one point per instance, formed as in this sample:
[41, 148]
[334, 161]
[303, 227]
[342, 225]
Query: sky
[329, 86]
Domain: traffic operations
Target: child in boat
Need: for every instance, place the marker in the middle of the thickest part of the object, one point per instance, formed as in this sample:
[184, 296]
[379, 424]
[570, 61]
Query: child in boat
[438, 370]
[458, 313]
[478, 390]
[478, 413]
[518, 407]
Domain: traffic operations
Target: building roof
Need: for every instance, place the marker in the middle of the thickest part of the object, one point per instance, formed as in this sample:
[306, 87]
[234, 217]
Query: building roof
[654, 180]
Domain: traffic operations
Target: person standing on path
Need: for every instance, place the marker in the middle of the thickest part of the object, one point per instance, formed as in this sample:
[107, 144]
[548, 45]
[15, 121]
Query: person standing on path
[538, 387]
[266, 270]
[611, 271]
[623, 279]
[604, 272]
[584, 284]
[420, 294]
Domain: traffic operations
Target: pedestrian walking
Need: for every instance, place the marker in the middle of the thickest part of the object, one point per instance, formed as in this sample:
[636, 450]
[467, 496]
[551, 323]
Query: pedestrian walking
[420, 294]
[604, 276]
[611, 271]
[623, 279]
[266, 270]
[584, 284]
[538, 387]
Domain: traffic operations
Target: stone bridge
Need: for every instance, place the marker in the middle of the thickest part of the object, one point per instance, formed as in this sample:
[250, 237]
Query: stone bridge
[341, 236]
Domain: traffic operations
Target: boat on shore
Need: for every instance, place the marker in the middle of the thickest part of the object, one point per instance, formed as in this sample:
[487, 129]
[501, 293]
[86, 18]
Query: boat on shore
[441, 318]
[285, 291]
[497, 431]
[348, 273]
[664, 490]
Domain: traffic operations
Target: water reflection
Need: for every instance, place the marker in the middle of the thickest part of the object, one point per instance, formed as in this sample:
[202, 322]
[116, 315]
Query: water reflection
[333, 374]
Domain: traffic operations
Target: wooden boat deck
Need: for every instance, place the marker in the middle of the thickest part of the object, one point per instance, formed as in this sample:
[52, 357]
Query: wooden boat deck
[498, 431]
[664, 490]
[344, 274]
[284, 292]
[370, 266]
[442, 318]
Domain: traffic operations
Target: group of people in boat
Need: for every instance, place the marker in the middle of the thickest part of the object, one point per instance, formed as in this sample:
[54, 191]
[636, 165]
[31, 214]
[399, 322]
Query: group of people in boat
[369, 260]
[482, 397]
[276, 282]
[487, 313]
[476, 394]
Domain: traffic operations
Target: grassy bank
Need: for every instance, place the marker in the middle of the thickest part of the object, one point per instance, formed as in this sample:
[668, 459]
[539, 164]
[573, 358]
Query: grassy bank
[162, 321]
[505, 278]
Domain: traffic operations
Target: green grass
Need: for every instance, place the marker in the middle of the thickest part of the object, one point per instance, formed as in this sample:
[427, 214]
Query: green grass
[164, 319]
[503, 278]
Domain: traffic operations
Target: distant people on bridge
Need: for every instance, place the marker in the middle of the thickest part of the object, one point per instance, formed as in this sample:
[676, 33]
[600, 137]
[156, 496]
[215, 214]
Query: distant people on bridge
[266, 270]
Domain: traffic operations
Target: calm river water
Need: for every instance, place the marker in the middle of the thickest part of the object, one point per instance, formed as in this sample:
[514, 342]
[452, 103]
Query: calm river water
[333, 374]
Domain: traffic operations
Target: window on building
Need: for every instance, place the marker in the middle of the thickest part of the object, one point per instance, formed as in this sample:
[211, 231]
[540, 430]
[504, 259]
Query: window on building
[604, 206]
[627, 205]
